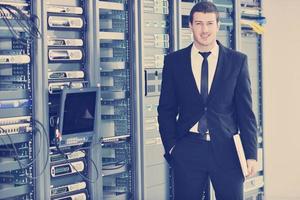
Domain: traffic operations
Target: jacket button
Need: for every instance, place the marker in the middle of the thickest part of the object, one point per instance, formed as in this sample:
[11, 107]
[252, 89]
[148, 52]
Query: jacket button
[205, 108]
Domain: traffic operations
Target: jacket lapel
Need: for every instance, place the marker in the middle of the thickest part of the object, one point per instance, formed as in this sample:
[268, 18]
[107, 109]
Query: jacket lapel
[217, 79]
[219, 70]
[191, 77]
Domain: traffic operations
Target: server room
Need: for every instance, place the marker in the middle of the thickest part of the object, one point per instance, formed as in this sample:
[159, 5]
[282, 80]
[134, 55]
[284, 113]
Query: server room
[149, 100]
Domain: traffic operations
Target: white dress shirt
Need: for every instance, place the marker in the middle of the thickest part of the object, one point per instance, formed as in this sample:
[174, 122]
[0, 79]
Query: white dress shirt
[196, 60]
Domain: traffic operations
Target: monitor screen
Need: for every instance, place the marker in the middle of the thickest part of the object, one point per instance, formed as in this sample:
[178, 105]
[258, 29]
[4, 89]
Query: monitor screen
[78, 107]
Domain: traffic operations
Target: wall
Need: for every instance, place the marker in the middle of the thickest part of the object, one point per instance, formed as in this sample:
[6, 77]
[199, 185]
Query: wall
[281, 76]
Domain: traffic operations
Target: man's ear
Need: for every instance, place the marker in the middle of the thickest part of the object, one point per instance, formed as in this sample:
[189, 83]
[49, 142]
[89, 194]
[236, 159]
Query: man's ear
[190, 25]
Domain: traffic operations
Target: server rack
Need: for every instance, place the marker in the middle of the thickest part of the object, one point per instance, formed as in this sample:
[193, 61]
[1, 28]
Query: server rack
[65, 60]
[16, 99]
[66, 40]
[117, 116]
[155, 35]
[250, 38]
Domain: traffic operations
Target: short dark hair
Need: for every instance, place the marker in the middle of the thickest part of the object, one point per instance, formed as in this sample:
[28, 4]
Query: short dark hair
[205, 7]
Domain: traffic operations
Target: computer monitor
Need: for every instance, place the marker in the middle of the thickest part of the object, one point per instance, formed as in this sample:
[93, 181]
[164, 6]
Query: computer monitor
[77, 114]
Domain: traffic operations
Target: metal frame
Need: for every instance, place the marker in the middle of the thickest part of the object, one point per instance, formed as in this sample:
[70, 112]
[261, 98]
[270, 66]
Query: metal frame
[93, 72]
[41, 110]
[40, 90]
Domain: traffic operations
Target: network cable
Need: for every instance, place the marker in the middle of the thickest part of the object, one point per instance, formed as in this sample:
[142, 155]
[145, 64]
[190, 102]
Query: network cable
[17, 157]
[27, 24]
[79, 173]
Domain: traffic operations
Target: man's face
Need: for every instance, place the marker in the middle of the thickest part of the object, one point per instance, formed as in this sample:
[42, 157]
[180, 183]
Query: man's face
[205, 28]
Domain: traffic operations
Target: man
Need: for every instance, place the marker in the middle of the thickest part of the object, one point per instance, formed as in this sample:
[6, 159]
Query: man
[205, 100]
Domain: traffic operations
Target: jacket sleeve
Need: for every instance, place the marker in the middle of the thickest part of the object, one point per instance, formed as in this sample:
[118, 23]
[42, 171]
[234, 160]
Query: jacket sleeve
[245, 116]
[168, 107]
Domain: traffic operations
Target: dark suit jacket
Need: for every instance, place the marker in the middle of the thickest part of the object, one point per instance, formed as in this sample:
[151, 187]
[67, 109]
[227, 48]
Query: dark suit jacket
[229, 104]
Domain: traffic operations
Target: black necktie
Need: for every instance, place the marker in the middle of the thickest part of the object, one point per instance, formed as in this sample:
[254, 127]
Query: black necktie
[202, 124]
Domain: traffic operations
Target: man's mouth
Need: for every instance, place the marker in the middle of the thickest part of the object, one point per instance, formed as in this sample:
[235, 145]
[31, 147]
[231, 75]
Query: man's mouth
[204, 37]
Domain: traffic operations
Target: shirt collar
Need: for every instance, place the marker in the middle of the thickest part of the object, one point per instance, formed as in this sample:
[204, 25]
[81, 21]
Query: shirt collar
[214, 51]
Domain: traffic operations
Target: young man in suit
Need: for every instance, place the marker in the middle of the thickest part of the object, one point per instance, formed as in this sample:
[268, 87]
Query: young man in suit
[205, 100]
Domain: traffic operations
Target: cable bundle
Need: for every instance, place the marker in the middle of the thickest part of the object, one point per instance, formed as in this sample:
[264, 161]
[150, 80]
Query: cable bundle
[26, 23]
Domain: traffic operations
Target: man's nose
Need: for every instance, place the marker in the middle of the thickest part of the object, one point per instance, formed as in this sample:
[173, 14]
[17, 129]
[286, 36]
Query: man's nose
[204, 28]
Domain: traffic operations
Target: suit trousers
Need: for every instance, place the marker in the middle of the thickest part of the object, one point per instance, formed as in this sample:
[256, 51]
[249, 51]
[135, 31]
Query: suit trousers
[194, 164]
